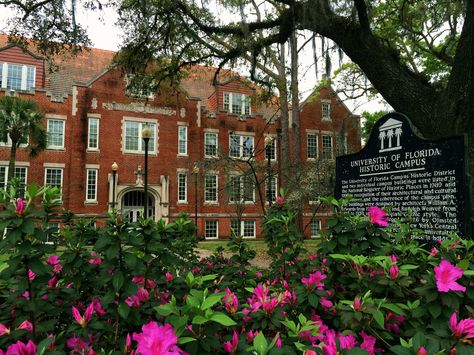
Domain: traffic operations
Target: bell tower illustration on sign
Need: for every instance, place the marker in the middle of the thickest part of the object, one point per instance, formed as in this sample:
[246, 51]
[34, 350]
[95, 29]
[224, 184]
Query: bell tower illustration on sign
[389, 135]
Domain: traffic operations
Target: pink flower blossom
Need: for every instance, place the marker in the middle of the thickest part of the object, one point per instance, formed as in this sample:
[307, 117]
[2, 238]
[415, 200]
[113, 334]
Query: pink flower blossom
[20, 348]
[52, 260]
[98, 306]
[357, 304]
[95, 261]
[310, 352]
[26, 325]
[325, 302]
[422, 351]
[169, 277]
[314, 279]
[393, 322]
[280, 200]
[231, 302]
[52, 282]
[231, 346]
[347, 341]
[4, 330]
[446, 275]
[462, 330]
[20, 206]
[156, 340]
[433, 252]
[368, 343]
[251, 334]
[278, 343]
[82, 321]
[31, 275]
[378, 216]
[78, 345]
[393, 272]
[329, 341]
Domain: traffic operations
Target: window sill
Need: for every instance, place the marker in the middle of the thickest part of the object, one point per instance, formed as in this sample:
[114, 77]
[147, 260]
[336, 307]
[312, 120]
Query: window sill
[182, 155]
[182, 203]
[91, 202]
[88, 150]
[328, 119]
[56, 148]
[211, 203]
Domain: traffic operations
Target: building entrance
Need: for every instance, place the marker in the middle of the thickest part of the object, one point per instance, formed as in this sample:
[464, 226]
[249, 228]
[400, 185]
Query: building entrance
[133, 203]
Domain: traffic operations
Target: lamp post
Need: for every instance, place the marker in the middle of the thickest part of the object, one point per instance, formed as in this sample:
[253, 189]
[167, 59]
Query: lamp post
[268, 141]
[114, 175]
[196, 172]
[146, 134]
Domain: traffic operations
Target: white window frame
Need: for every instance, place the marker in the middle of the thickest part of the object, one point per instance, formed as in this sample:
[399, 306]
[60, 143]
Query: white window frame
[182, 174]
[215, 177]
[242, 138]
[315, 135]
[153, 125]
[273, 149]
[62, 178]
[89, 125]
[245, 103]
[8, 143]
[61, 119]
[181, 129]
[317, 221]
[5, 174]
[206, 228]
[274, 179]
[324, 151]
[326, 110]
[242, 186]
[241, 228]
[93, 183]
[24, 76]
[207, 134]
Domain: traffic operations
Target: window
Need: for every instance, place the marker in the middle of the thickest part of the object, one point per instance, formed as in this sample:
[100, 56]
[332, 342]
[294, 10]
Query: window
[327, 146]
[237, 103]
[311, 145]
[245, 228]
[20, 173]
[315, 227]
[211, 229]
[240, 146]
[182, 140]
[326, 109]
[17, 76]
[8, 142]
[134, 142]
[182, 188]
[241, 188]
[55, 133]
[210, 144]
[91, 183]
[210, 188]
[270, 150]
[93, 134]
[54, 177]
[271, 189]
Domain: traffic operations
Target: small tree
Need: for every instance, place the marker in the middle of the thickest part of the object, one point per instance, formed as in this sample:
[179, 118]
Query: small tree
[20, 119]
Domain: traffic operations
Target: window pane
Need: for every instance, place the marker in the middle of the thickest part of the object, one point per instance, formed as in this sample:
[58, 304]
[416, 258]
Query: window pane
[312, 146]
[151, 142]
[235, 227]
[247, 146]
[182, 193]
[3, 177]
[182, 139]
[315, 228]
[326, 108]
[91, 184]
[234, 146]
[249, 188]
[271, 189]
[236, 103]
[249, 229]
[226, 101]
[211, 229]
[210, 144]
[132, 135]
[210, 188]
[14, 77]
[56, 133]
[93, 133]
[54, 177]
[270, 150]
[327, 146]
[30, 78]
[234, 188]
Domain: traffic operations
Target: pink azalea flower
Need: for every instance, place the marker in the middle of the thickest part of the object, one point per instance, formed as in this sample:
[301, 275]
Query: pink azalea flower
[31, 275]
[347, 341]
[52, 282]
[20, 348]
[422, 351]
[325, 302]
[157, 340]
[251, 335]
[82, 321]
[78, 345]
[26, 325]
[95, 261]
[128, 343]
[280, 200]
[133, 301]
[446, 275]
[98, 306]
[52, 260]
[368, 343]
[314, 279]
[231, 302]
[231, 346]
[394, 272]
[310, 352]
[378, 216]
[20, 206]
[462, 330]
[278, 342]
[143, 295]
[4, 330]
[169, 277]
[329, 341]
[357, 304]
[393, 258]
[434, 251]
[393, 322]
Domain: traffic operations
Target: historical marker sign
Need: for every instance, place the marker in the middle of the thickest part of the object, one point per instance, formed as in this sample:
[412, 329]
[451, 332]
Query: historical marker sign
[397, 168]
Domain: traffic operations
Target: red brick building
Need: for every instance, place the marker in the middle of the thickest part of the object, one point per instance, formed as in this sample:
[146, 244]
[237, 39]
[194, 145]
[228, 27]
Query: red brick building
[201, 136]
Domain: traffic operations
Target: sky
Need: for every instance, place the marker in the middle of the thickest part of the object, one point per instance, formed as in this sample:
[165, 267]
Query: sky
[105, 35]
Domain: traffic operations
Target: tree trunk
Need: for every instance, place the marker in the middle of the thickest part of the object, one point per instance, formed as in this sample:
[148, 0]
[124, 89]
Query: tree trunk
[11, 161]
[284, 118]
